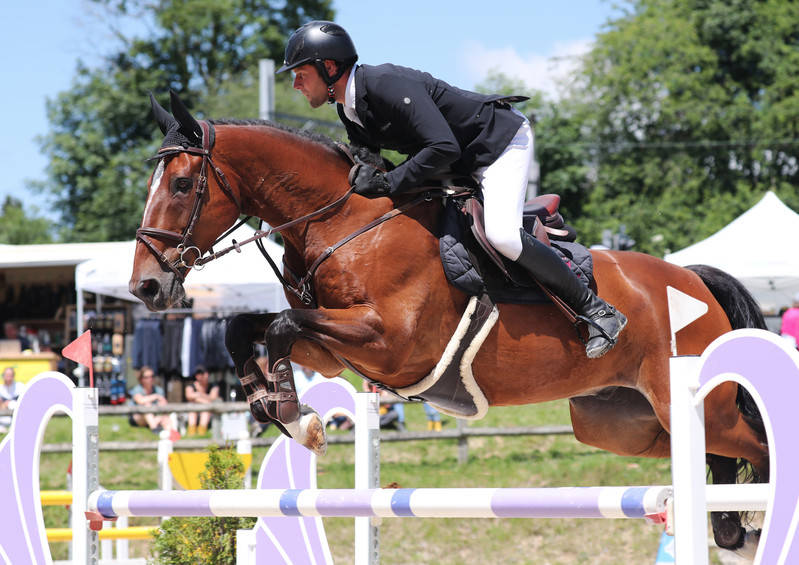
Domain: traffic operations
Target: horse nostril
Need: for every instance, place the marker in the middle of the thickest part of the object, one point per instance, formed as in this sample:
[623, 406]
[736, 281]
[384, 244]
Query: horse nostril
[147, 288]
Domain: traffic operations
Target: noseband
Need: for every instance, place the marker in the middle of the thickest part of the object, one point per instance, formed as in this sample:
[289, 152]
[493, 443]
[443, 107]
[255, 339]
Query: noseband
[182, 241]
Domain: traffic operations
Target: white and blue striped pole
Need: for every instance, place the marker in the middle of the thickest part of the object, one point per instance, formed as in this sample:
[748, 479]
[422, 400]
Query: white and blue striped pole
[563, 502]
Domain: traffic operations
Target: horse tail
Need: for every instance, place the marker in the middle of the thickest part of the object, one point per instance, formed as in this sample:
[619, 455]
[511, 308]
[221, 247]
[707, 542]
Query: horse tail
[741, 308]
[743, 312]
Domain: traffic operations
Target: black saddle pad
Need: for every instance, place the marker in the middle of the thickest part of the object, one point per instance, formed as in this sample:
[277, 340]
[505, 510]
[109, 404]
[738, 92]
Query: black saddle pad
[469, 269]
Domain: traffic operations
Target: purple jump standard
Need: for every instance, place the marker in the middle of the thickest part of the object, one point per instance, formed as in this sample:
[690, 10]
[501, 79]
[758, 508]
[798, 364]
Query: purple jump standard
[564, 502]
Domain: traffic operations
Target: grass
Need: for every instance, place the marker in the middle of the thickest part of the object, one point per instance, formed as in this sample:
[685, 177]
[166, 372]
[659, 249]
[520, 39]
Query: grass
[501, 462]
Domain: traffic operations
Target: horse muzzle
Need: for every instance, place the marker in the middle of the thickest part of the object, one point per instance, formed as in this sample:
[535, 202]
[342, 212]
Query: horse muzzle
[158, 293]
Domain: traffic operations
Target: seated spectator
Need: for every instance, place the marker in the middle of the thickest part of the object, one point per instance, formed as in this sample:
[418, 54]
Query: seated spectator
[12, 332]
[200, 392]
[10, 391]
[147, 393]
[304, 377]
[392, 412]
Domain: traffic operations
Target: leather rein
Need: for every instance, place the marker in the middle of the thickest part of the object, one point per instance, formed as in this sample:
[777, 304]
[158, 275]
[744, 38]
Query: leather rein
[303, 288]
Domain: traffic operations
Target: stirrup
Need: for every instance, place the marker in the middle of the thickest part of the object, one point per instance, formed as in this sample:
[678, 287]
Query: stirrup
[589, 322]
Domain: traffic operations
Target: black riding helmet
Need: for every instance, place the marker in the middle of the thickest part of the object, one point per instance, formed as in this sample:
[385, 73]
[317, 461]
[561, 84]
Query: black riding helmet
[316, 41]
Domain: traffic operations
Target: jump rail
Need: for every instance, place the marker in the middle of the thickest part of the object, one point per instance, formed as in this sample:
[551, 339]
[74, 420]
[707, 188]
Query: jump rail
[564, 502]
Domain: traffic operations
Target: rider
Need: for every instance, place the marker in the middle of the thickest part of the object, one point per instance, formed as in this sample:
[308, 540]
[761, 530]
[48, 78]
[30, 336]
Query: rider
[441, 128]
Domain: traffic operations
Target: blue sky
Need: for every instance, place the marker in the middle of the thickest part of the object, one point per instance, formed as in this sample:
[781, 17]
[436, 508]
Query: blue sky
[457, 41]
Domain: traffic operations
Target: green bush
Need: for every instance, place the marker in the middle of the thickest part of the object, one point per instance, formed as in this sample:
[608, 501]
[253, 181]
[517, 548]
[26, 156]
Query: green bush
[204, 540]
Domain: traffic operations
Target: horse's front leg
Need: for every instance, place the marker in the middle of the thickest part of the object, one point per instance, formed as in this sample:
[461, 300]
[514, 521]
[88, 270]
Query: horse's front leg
[345, 331]
[272, 397]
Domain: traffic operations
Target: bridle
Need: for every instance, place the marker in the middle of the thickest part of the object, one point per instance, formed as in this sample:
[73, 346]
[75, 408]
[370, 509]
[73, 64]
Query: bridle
[182, 241]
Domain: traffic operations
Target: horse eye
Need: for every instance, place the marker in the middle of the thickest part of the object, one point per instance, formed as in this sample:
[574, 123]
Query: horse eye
[182, 184]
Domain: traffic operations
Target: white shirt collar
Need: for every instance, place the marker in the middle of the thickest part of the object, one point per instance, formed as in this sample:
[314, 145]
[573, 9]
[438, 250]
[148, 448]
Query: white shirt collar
[349, 98]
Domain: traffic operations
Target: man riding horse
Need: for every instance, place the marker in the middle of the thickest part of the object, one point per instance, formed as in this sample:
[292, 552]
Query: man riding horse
[441, 128]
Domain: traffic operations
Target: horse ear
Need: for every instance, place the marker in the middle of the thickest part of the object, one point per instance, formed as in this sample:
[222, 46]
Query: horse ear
[188, 125]
[164, 118]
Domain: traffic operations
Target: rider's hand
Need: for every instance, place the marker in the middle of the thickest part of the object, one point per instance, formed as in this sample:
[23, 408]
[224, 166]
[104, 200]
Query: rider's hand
[370, 181]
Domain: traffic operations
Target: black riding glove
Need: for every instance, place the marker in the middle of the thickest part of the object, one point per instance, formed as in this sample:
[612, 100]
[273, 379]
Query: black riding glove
[370, 181]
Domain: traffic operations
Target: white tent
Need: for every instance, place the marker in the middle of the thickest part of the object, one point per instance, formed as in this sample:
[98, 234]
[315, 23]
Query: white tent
[236, 281]
[57, 254]
[759, 248]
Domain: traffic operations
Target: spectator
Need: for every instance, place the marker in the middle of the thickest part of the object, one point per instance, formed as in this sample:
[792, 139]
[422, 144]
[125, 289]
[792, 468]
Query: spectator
[200, 392]
[147, 393]
[790, 322]
[392, 413]
[304, 377]
[10, 391]
[11, 332]
[433, 418]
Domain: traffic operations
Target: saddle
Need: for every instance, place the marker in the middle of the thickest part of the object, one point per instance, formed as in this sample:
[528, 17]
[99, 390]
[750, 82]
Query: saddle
[475, 267]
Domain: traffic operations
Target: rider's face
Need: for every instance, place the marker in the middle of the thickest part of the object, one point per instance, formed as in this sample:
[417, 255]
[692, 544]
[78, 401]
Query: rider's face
[308, 81]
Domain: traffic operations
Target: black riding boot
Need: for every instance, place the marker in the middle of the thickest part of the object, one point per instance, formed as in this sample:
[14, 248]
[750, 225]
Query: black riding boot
[547, 266]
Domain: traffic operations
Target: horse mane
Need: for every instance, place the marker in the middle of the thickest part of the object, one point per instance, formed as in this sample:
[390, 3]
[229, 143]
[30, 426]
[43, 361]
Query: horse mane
[362, 153]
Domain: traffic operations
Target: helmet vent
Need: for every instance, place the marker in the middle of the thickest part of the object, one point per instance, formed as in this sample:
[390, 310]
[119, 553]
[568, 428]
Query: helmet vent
[332, 29]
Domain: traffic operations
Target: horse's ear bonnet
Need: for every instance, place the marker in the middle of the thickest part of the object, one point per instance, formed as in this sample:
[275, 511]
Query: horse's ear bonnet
[182, 129]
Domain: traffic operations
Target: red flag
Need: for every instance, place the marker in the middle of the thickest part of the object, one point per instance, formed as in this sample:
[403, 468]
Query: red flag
[80, 351]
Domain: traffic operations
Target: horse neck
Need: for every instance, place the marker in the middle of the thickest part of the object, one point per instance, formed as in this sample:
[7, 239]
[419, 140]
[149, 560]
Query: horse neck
[283, 176]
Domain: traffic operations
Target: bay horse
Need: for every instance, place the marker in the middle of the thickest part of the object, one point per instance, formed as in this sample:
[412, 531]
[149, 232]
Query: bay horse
[381, 304]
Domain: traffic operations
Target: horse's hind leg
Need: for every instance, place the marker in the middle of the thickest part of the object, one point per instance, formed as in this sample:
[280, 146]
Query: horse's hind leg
[727, 530]
[619, 420]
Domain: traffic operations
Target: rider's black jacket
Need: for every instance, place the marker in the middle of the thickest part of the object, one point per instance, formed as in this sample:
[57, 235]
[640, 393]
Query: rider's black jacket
[439, 126]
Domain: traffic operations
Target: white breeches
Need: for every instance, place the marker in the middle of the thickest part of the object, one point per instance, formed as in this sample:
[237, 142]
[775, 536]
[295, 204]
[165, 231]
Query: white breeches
[504, 190]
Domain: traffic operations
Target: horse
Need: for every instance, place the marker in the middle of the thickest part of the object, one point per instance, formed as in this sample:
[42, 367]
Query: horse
[377, 300]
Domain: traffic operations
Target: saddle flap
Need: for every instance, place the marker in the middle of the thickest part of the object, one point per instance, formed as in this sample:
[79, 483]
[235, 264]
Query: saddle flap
[474, 208]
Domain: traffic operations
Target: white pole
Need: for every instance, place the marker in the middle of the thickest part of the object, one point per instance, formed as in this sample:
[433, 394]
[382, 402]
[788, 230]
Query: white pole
[688, 463]
[245, 547]
[80, 371]
[243, 447]
[122, 545]
[164, 449]
[85, 472]
[534, 174]
[266, 83]
[367, 472]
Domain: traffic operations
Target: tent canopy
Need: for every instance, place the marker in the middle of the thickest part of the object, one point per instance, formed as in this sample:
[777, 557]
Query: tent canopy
[237, 281]
[758, 248]
[57, 254]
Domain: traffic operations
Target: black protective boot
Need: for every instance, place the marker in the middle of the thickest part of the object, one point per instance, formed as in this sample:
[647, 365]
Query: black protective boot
[604, 321]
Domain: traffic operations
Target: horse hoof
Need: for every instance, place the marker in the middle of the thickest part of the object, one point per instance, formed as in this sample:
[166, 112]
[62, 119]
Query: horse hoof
[727, 531]
[315, 437]
[309, 430]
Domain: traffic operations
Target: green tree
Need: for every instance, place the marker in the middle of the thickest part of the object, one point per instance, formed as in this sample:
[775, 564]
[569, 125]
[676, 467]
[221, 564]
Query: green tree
[17, 227]
[102, 130]
[684, 113]
[561, 156]
[205, 540]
